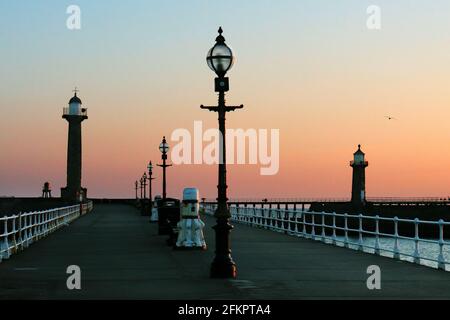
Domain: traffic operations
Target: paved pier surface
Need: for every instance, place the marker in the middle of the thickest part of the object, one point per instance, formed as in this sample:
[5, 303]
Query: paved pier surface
[122, 257]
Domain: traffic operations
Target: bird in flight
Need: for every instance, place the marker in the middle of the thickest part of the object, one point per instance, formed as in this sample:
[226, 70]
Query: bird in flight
[390, 118]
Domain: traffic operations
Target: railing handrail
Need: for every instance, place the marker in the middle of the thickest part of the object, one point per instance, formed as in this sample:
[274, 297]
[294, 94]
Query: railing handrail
[18, 231]
[294, 222]
[445, 199]
[36, 212]
[373, 217]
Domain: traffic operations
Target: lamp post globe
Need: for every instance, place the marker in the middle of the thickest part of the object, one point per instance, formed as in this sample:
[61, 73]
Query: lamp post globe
[150, 167]
[220, 57]
[164, 146]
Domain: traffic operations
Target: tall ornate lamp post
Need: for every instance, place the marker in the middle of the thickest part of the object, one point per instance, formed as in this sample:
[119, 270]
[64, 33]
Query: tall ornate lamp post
[220, 59]
[164, 148]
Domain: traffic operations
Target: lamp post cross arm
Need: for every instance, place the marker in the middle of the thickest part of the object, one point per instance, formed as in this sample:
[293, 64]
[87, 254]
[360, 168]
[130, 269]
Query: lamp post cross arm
[163, 166]
[216, 108]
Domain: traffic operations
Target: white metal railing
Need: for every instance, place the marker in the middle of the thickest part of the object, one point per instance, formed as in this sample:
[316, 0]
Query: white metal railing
[19, 231]
[333, 228]
[443, 199]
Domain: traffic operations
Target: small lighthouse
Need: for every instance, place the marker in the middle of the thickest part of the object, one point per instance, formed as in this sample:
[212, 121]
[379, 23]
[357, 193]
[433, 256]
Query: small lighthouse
[74, 114]
[359, 178]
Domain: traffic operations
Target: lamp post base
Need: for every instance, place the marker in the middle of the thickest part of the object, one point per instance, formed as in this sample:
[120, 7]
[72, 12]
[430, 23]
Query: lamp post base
[223, 265]
[223, 270]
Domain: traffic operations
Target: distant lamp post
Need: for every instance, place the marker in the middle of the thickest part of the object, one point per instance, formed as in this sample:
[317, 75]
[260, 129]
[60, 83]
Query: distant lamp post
[144, 181]
[141, 186]
[144, 199]
[150, 173]
[164, 148]
[220, 59]
[136, 187]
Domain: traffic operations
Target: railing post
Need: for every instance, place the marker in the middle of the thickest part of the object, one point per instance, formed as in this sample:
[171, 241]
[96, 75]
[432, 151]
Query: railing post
[377, 235]
[45, 223]
[416, 241]
[273, 219]
[313, 226]
[270, 216]
[304, 223]
[6, 254]
[254, 220]
[360, 233]
[253, 217]
[334, 229]
[20, 239]
[50, 221]
[257, 217]
[27, 232]
[260, 219]
[34, 234]
[246, 216]
[441, 259]
[36, 226]
[279, 220]
[323, 227]
[264, 220]
[284, 222]
[287, 217]
[346, 230]
[39, 225]
[13, 231]
[296, 222]
[396, 247]
[278, 217]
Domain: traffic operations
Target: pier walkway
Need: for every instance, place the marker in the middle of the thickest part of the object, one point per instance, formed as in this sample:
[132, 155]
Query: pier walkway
[122, 257]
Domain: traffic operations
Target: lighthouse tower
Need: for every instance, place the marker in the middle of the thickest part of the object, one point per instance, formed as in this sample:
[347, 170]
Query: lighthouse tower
[359, 178]
[74, 114]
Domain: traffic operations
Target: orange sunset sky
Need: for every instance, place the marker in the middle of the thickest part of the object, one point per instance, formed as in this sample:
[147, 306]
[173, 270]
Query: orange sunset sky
[311, 69]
